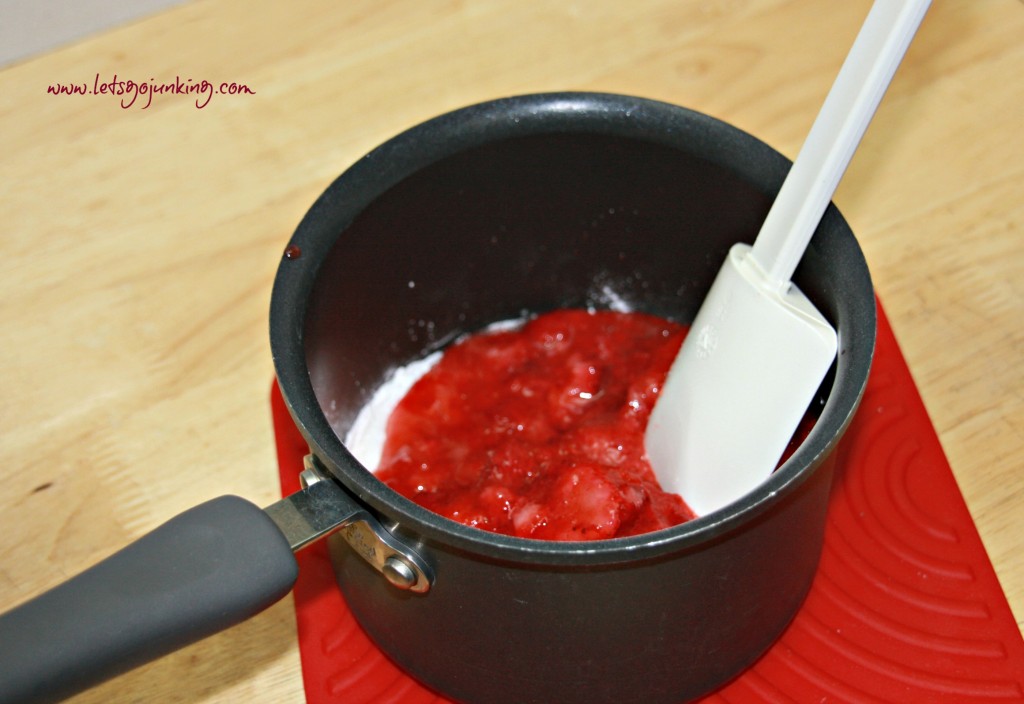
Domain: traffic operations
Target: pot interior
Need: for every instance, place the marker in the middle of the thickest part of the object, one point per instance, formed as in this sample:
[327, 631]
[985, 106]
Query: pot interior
[521, 226]
[451, 227]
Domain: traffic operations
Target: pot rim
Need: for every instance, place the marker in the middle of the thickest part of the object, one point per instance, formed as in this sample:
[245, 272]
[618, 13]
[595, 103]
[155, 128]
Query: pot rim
[534, 114]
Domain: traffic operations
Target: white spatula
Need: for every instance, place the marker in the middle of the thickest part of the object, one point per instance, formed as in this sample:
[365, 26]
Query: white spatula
[758, 349]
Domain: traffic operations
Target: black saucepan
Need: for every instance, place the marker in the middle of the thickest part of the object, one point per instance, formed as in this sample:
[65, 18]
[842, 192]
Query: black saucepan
[496, 211]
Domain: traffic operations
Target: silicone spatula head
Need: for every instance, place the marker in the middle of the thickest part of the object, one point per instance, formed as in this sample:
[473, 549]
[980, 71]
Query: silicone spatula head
[738, 388]
[758, 349]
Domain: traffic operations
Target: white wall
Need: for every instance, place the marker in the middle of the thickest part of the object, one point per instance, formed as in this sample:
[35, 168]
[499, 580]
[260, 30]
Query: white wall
[31, 27]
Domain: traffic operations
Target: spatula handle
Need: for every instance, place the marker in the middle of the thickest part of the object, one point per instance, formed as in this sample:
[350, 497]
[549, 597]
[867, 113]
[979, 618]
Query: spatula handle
[844, 116]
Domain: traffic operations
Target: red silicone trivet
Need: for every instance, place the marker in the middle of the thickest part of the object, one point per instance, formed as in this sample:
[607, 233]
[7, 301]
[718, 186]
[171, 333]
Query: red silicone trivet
[905, 606]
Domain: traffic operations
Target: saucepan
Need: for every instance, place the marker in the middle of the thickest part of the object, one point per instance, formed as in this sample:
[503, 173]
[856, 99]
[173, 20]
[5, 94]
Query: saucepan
[495, 211]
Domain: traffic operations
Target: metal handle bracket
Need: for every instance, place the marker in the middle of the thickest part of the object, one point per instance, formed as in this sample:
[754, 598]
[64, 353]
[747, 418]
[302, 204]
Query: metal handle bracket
[323, 507]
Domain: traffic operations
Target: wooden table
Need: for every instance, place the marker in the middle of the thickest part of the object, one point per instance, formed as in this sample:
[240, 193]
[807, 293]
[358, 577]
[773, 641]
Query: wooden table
[138, 245]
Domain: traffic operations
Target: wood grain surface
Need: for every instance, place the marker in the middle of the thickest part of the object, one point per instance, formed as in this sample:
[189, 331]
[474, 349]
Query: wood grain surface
[138, 246]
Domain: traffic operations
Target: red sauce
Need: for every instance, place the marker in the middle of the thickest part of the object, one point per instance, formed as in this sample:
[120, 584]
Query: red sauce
[538, 432]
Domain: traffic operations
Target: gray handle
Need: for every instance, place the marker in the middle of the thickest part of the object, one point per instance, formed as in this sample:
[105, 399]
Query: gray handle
[207, 569]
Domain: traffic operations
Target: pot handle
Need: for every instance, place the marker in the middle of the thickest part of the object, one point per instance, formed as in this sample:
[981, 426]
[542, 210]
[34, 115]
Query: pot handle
[208, 568]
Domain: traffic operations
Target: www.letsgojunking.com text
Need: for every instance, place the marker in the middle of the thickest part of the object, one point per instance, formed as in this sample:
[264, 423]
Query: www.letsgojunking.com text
[132, 93]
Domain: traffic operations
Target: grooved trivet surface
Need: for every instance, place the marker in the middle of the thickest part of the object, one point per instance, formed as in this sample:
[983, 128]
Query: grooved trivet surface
[905, 606]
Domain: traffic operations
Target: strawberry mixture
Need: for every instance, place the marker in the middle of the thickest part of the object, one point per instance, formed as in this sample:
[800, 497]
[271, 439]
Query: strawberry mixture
[538, 432]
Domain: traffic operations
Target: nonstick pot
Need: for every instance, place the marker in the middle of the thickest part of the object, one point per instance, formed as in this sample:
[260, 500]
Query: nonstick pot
[496, 211]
